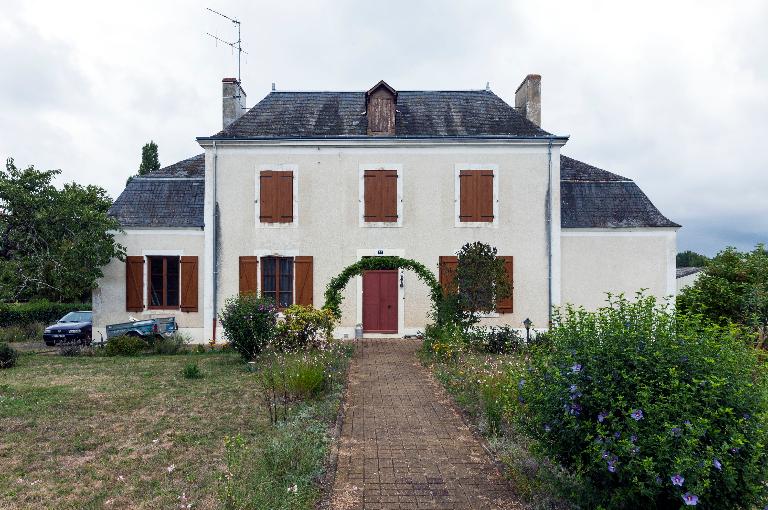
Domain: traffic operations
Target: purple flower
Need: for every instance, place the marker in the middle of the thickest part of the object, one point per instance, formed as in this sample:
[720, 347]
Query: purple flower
[677, 480]
[735, 450]
[521, 383]
[687, 423]
[633, 438]
[602, 416]
[617, 435]
[676, 431]
[635, 450]
[611, 467]
[637, 414]
[717, 464]
[576, 368]
[747, 416]
[690, 499]
[575, 409]
[605, 454]
[547, 428]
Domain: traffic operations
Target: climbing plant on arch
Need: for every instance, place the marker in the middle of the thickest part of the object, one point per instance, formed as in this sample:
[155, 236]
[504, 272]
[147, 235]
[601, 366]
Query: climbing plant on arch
[333, 295]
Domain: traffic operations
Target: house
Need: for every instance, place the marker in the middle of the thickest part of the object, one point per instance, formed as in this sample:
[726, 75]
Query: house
[687, 276]
[303, 184]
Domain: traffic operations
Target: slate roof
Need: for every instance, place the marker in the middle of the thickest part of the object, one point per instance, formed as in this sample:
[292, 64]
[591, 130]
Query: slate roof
[191, 167]
[591, 197]
[687, 271]
[418, 114]
[161, 202]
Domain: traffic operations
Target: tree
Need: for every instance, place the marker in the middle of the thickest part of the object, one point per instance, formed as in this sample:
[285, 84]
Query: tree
[53, 242]
[732, 288]
[150, 160]
[690, 258]
[481, 281]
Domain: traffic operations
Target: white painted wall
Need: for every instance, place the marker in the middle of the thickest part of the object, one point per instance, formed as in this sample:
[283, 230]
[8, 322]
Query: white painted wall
[597, 261]
[328, 198]
[109, 296]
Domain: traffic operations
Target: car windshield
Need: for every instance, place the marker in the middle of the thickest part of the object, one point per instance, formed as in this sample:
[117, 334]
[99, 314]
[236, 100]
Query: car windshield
[76, 317]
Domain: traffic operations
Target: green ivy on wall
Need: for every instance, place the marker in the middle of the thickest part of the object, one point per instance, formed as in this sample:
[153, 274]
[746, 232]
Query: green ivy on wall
[333, 297]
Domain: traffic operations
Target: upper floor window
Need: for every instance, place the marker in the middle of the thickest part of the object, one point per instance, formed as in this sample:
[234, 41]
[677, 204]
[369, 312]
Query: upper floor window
[276, 196]
[277, 280]
[380, 196]
[476, 196]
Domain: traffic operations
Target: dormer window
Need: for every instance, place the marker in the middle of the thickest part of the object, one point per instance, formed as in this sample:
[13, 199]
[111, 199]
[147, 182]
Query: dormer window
[380, 104]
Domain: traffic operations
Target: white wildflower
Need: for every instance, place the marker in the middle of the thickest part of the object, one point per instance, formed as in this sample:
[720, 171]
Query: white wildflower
[293, 488]
[171, 468]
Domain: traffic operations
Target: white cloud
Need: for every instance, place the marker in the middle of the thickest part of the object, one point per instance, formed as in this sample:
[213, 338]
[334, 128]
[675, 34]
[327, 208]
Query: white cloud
[670, 94]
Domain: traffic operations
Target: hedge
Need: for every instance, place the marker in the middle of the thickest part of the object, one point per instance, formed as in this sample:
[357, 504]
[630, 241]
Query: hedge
[19, 314]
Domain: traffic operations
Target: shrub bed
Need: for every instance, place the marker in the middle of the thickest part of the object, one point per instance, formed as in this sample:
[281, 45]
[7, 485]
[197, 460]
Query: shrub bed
[651, 409]
[250, 324]
[125, 346]
[8, 356]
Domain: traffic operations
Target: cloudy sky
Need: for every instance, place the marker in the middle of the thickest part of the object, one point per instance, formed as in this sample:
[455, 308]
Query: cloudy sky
[671, 94]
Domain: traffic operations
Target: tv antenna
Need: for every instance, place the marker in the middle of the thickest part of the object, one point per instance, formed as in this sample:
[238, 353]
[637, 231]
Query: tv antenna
[237, 45]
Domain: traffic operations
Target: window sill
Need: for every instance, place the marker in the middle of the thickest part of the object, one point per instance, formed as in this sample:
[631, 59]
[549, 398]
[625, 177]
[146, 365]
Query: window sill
[381, 224]
[476, 224]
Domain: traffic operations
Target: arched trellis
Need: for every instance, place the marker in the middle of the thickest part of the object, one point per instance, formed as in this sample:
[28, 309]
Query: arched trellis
[333, 295]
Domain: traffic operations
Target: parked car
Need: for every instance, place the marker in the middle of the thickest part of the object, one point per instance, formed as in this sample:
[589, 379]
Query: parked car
[75, 327]
[148, 329]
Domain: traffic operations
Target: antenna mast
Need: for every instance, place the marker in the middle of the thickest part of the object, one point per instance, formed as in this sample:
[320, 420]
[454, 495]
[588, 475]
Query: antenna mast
[237, 45]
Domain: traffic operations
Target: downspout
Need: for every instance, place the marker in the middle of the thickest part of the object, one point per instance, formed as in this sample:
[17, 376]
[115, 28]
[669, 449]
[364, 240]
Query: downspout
[215, 242]
[548, 214]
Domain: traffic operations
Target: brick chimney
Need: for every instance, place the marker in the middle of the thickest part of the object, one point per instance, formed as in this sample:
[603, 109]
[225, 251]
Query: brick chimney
[528, 98]
[233, 100]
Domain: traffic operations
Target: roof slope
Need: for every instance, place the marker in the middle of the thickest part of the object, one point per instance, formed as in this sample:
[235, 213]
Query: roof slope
[591, 197]
[170, 197]
[419, 114]
[681, 272]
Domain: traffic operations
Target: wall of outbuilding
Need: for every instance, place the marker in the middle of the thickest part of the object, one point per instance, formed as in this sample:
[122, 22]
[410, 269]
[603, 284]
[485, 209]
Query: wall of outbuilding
[619, 261]
[109, 297]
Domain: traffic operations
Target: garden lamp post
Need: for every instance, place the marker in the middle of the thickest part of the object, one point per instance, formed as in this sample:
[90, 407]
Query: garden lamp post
[527, 323]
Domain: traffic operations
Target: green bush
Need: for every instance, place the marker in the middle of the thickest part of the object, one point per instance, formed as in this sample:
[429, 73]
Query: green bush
[191, 371]
[649, 408]
[8, 356]
[250, 324]
[171, 344]
[305, 326]
[125, 346]
[496, 340]
[445, 342]
[20, 314]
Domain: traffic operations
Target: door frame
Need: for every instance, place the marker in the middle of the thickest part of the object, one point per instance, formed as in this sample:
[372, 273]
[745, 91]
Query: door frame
[381, 252]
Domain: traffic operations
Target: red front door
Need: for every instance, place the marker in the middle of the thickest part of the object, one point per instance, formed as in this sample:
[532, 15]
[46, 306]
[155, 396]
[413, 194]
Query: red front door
[380, 301]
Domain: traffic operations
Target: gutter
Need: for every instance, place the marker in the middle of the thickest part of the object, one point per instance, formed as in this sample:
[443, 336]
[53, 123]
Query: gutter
[383, 140]
[548, 220]
[214, 243]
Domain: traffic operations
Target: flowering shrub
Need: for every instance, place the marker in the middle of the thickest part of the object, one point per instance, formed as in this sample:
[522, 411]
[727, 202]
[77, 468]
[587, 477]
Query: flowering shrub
[652, 410]
[250, 324]
[496, 339]
[444, 342]
[305, 326]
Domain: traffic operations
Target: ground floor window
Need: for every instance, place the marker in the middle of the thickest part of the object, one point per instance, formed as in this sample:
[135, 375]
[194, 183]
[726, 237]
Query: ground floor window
[163, 282]
[277, 280]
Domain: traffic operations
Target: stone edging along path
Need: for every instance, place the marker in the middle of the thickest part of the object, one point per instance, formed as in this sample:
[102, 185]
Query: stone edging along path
[402, 443]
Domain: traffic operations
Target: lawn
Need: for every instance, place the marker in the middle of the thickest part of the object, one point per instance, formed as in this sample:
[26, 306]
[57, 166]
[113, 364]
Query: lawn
[123, 432]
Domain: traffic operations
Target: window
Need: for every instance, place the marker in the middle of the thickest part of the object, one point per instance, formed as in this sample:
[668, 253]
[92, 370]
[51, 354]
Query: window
[380, 196]
[277, 280]
[276, 196]
[476, 196]
[448, 282]
[163, 282]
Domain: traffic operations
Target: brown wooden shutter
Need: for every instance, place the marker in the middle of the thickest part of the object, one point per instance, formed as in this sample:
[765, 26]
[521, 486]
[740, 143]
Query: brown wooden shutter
[267, 196]
[448, 265]
[134, 284]
[476, 195]
[506, 305]
[249, 269]
[284, 192]
[484, 208]
[372, 196]
[189, 294]
[388, 180]
[302, 273]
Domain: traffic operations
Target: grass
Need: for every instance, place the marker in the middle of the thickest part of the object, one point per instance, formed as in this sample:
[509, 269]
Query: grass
[124, 432]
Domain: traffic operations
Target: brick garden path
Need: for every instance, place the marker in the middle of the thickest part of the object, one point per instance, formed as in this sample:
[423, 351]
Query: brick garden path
[403, 445]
